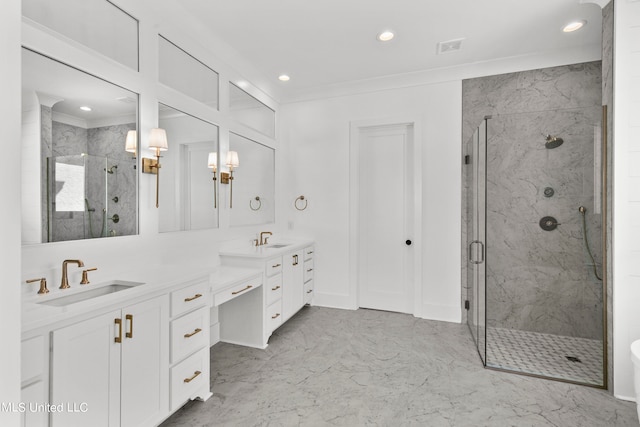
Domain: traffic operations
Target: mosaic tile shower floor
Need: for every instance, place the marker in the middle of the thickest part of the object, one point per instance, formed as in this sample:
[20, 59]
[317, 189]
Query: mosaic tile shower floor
[545, 354]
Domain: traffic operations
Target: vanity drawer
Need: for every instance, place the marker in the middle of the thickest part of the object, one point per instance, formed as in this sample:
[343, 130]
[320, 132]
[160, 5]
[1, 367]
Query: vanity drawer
[235, 291]
[189, 377]
[308, 270]
[274, 266]
[189, 333]
[308, 291]
[33, 353]
[308, 253]
[274, 289]
[274, 315]
[189, 298]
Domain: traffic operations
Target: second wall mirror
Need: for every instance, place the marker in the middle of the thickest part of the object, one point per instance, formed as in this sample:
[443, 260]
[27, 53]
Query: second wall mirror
[189, 176]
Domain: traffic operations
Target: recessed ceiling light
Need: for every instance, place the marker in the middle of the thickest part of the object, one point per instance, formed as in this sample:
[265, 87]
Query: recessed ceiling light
[574, 26]
[385, 36]
[284, 78]
[85, 108]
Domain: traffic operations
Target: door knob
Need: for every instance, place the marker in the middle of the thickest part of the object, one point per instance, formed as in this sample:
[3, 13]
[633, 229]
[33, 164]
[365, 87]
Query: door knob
[408, 242]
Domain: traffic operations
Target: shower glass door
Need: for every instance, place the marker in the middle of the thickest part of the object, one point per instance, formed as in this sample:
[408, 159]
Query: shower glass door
[475, 171]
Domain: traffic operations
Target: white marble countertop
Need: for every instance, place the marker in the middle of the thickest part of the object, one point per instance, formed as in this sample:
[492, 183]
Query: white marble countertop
[266, 251]
[151, 282]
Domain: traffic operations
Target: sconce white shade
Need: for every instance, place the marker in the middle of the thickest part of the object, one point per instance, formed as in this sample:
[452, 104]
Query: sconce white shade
[232, 159]
[213, 161]
[158, 140]
[131, 142]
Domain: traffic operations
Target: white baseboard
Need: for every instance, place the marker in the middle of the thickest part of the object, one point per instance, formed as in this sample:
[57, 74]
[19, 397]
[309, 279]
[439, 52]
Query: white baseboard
[442, 313]
[333, 301]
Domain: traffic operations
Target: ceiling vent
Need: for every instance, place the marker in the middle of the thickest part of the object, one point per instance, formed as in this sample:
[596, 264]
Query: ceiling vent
[449, 46]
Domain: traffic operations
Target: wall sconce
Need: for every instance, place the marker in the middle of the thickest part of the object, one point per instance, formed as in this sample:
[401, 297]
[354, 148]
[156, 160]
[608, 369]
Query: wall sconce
[157, 142]
[212, 163]
[227, 178]
[131, 143]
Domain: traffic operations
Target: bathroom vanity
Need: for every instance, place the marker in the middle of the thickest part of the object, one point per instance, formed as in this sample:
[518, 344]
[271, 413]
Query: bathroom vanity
[126, 353]
[287, 269]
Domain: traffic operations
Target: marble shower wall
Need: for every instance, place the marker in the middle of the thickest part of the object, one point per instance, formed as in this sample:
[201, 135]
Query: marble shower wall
[538, 280]
[105, 149]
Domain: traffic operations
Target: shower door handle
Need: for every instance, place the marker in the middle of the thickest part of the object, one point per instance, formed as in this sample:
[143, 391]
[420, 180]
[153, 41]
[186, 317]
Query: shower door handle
[471, 260]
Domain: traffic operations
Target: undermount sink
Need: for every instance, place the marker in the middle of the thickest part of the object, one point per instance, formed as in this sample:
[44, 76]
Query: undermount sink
[110, 288]
[278, 245]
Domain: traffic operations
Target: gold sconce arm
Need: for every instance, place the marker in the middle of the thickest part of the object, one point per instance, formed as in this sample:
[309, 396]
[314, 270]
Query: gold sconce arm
[157, 142]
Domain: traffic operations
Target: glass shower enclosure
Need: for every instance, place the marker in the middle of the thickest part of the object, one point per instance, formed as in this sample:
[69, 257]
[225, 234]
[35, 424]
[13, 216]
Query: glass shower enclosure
[534, 244]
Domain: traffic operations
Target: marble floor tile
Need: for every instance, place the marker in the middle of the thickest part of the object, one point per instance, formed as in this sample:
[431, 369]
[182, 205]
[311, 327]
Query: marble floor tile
[329, 367]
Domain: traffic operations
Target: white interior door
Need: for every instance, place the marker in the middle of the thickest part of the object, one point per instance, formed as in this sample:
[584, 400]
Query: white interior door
[385, 222]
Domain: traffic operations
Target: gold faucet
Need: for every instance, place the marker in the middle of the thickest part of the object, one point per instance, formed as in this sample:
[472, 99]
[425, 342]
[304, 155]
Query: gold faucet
[43, 285]
[264, 241]
[65, 280]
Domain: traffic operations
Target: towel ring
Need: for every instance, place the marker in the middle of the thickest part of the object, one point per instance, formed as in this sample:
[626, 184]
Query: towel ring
[301, 198]
[257, 198]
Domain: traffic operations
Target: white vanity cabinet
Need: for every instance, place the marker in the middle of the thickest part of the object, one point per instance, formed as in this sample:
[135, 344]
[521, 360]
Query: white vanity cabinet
[284, 278]
[189, 372]
[292, 284]
[308, 274]
[110, 370]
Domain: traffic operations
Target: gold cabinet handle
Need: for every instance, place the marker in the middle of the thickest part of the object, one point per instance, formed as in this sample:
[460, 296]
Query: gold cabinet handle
[309, 291]
[309, 253]
[277, 265]
[276, 288]
[275, 316]
[195, 374]
[193, 333]
[119, 323]
[196, 296]
[242, 290]
[311, 269]
[129, 317]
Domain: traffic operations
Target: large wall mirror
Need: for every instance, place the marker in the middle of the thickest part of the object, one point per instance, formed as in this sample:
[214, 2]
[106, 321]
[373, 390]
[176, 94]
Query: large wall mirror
[78, 182]
[253, 183]
[188, 190]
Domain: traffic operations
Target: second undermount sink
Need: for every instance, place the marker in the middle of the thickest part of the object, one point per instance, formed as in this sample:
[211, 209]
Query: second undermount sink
[278, 245]
[106, 289]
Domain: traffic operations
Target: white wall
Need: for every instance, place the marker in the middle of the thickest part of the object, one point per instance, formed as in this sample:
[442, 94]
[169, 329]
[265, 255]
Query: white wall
[315, 142]
[626, 229]
[10, 109]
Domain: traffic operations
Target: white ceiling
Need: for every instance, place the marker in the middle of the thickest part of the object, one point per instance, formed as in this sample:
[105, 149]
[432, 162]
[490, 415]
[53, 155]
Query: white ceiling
[329, 42]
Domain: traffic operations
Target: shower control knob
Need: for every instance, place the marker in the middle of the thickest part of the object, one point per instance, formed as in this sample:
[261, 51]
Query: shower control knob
[408, 242]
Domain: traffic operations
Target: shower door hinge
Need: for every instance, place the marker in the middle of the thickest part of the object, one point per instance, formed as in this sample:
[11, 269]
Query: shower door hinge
[466, 305]
[467, 159]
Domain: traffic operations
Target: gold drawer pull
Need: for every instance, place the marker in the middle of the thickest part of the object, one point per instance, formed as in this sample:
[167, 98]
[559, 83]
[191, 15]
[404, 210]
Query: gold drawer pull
[196, 296]
[193, 333]
[119, 323]
[277, 265]
[311, 269]
[129, 317]
[309, 291]
[242, 290]
[276, 288]
[309, 253]
[195, 374]
[275, 316]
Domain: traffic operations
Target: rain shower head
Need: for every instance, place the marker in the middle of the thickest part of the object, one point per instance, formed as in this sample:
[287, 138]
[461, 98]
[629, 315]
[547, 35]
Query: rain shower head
[111, 169]
[553, 142]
